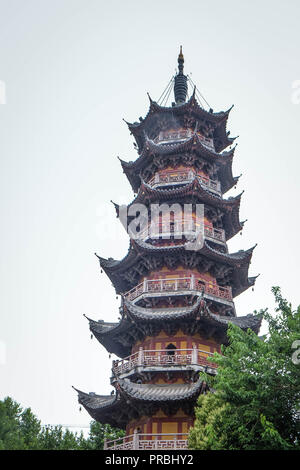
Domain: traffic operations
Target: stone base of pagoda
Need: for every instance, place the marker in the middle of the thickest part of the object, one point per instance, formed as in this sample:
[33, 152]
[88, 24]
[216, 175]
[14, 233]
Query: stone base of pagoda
[137, 441]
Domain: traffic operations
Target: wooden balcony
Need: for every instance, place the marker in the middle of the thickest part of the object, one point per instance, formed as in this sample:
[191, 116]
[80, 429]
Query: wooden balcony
[138, 441]
[178, 231]
[184, 177]
[170, 137]
[179, 286]
[174, 359]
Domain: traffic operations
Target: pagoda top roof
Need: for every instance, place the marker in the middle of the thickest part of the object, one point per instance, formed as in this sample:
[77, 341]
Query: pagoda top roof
[137, 322]
[190, 105]
[190, 108]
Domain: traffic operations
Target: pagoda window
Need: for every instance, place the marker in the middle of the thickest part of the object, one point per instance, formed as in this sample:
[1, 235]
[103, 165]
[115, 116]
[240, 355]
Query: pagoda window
[171, 349]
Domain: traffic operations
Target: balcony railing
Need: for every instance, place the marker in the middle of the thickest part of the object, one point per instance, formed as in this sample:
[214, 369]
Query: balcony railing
[138, 441]
[178, 230]
[163, 358]
[182, 134]
[183, 176]
[179, 285]
[173, 136]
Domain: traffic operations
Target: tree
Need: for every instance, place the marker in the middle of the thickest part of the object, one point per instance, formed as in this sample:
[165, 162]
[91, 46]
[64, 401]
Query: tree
[21, 430]
[98, 432]
[256, 399]
[55, 438]
[18, 429]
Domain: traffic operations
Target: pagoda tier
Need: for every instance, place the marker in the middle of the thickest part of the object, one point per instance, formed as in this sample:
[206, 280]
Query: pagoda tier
[222, 212]
[191, 152]
[138, 323]
[189, 115]
[143, 259]
[133, 401]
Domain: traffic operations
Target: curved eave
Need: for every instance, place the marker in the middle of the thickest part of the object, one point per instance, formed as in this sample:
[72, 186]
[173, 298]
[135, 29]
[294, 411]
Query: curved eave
[158, 393]
[148, 194]
[106, 332]
[243, 285]
[139, 251]
[117, 411]
[138, 248]
[244, 322]
[142, 320]
[223, 161]
[160, 314]
[221, 137]
[192, 143]
[232, 259]
[103, 408]
[231, 208]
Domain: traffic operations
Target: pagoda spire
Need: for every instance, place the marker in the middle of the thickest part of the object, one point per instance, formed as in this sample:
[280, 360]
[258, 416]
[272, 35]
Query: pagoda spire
[180, 85]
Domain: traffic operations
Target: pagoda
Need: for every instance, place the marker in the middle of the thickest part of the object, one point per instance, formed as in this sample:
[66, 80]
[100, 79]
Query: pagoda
[176, 302]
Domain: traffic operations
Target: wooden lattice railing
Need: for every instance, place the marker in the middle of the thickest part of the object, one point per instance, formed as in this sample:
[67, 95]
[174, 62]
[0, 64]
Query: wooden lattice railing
[179, 285]
[138, 441]
[163, 358]
[183, 176]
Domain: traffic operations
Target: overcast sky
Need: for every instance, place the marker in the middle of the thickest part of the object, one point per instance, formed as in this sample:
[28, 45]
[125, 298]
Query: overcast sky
[72, 70]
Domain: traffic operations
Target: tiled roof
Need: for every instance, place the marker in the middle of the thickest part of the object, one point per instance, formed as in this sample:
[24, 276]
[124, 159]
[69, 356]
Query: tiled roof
[153, 392]
[138, 250]
[191, 107]
[93, 401]
[114, 337]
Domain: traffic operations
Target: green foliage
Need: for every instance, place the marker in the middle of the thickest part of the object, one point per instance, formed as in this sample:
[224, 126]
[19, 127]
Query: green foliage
[54, 438]
[256, 399]
[18, 429]
[98, 432]
[21, 430]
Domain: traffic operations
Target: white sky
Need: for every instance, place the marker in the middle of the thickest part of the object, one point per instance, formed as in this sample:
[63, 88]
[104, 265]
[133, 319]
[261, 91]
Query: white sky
[73, 69]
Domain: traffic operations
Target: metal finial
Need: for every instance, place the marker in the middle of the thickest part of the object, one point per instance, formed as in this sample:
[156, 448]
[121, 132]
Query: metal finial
[180, 54]
[180, 83]
[180, 62]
